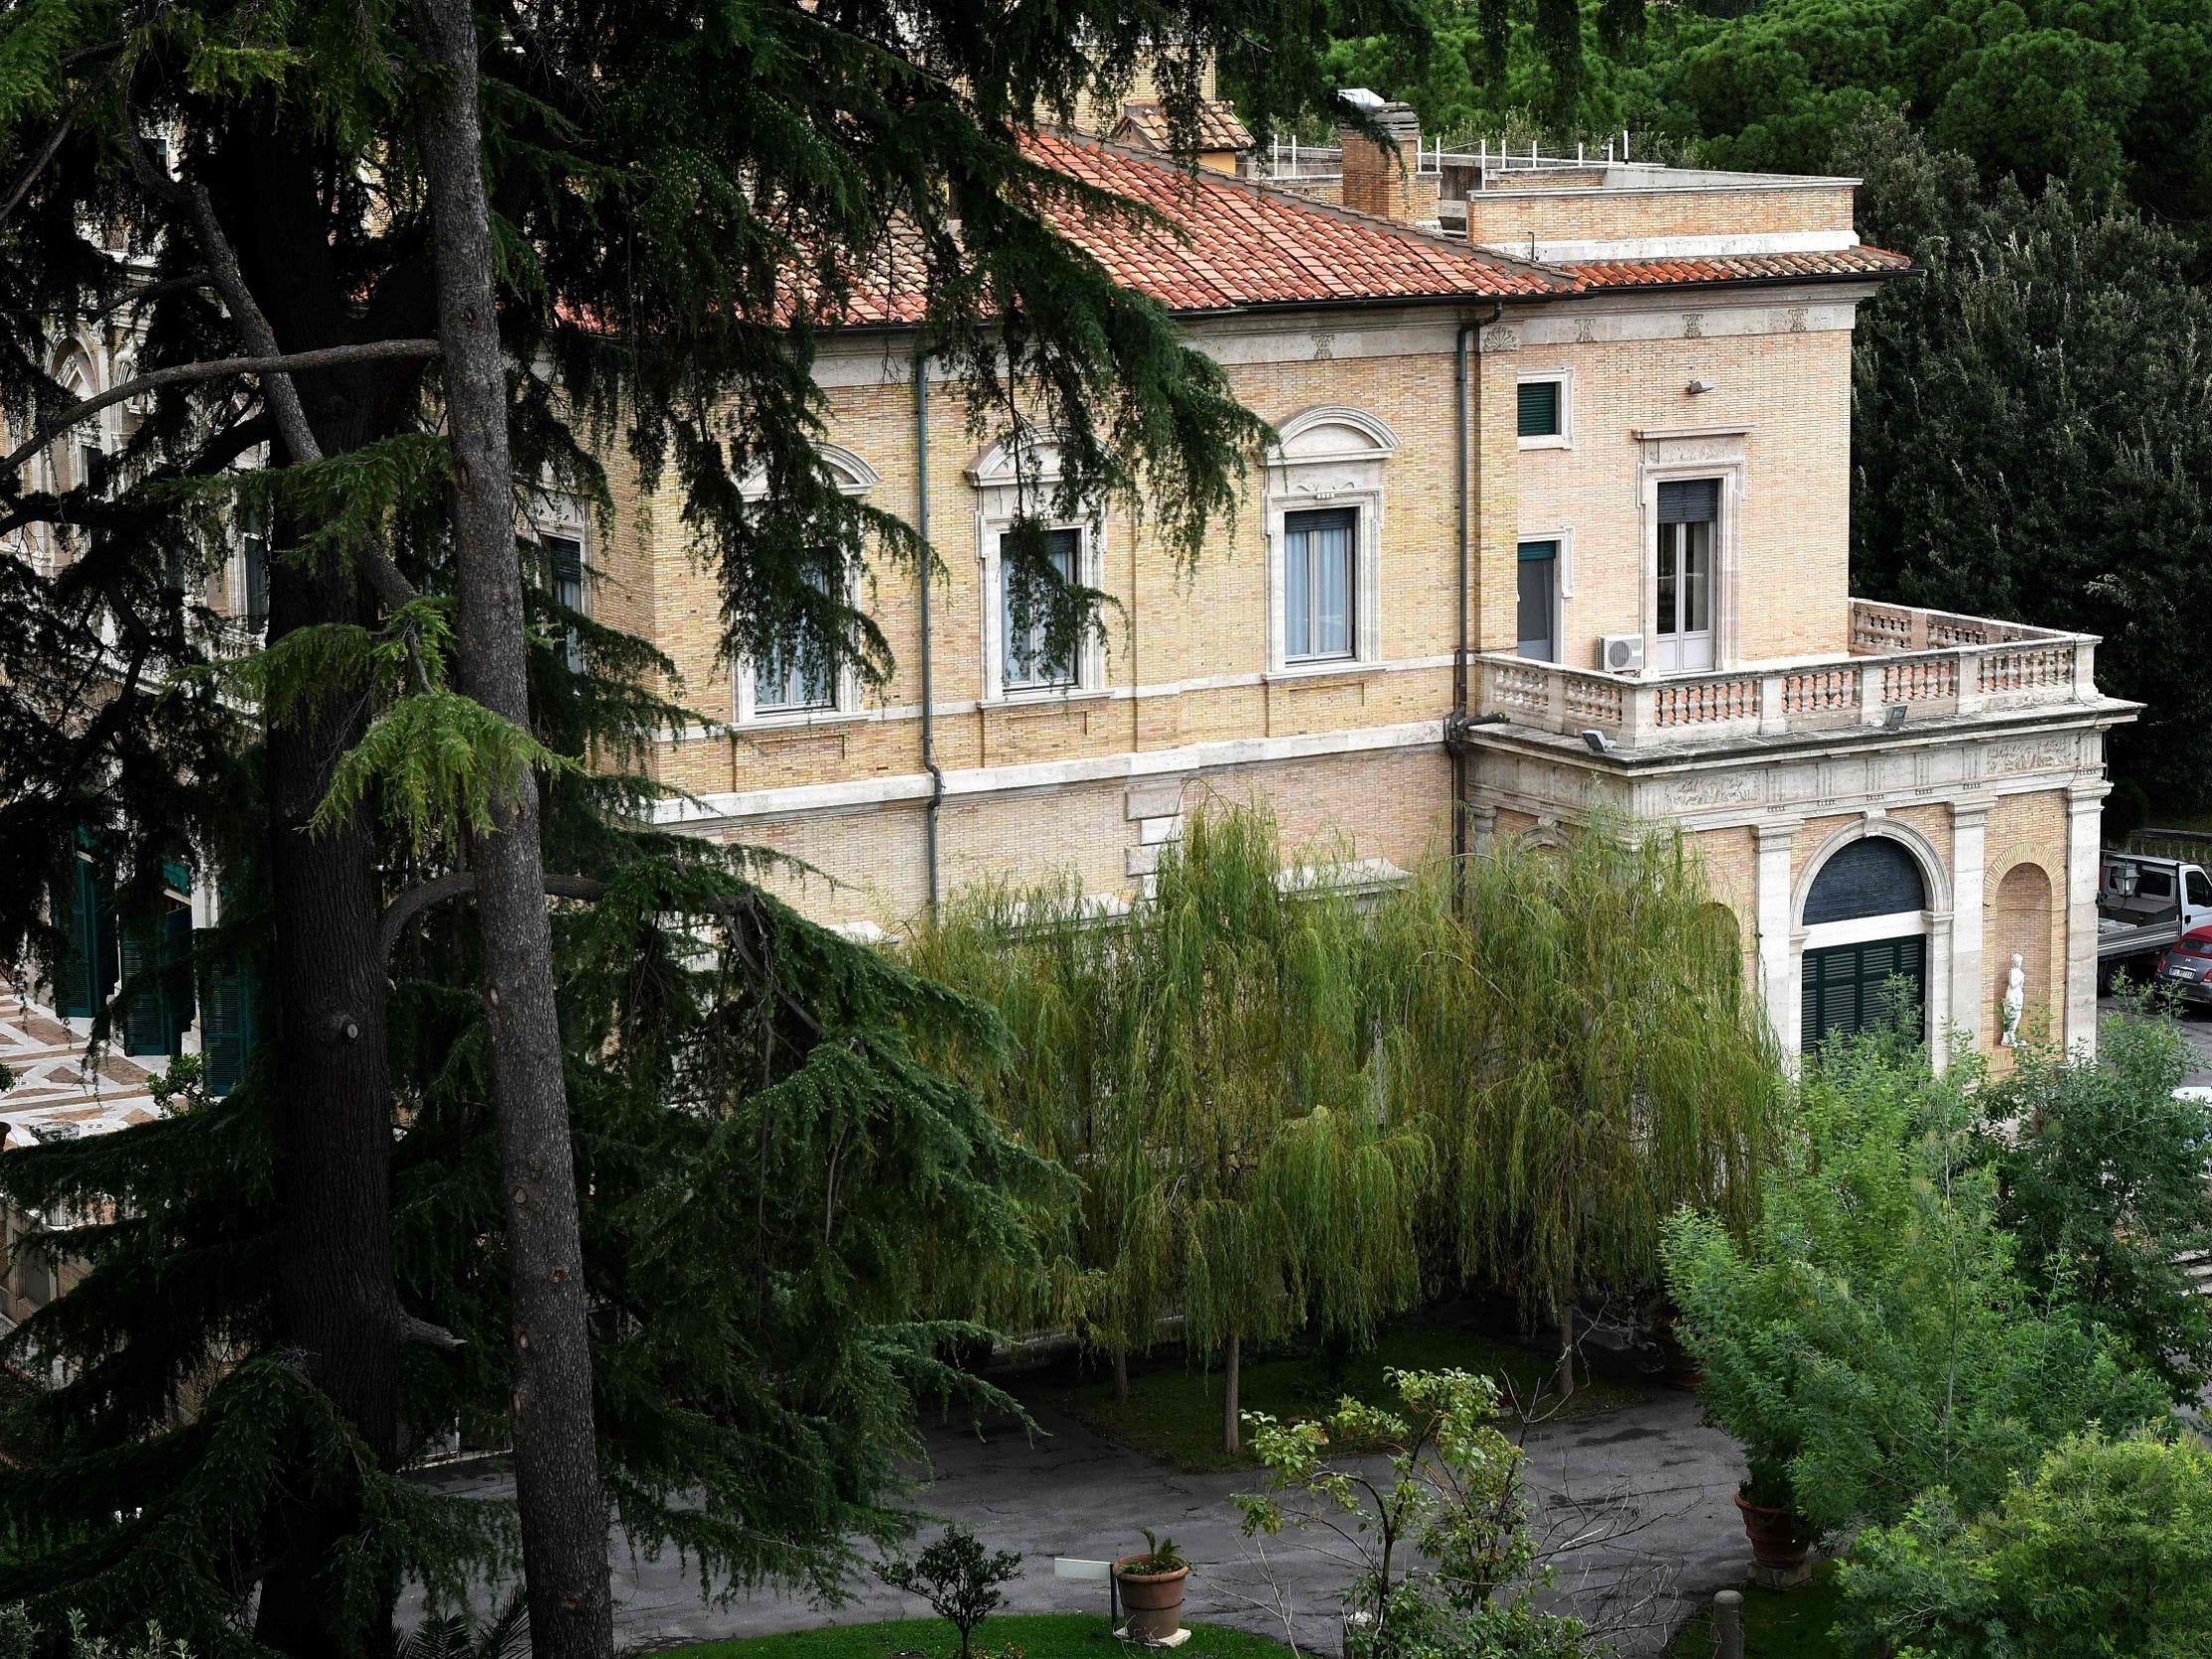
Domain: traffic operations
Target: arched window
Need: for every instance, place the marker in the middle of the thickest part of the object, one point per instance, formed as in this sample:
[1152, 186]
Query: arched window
[1865, 932]
[1874, 875]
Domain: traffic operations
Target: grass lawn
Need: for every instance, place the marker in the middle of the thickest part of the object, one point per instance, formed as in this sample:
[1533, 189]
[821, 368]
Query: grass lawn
[1037, 1635]
[1777, 1624]
[1174, 1413]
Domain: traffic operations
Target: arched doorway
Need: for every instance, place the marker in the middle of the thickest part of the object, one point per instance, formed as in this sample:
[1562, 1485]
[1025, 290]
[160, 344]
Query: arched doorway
[2020, 925]
[1865, 928]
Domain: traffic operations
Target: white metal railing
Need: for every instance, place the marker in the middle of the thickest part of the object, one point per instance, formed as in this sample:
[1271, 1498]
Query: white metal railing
[1904, 663]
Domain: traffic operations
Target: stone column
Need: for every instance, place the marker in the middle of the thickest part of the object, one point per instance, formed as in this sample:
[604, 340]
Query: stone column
[1777, 971]
[1969, 917]
[2083, 859]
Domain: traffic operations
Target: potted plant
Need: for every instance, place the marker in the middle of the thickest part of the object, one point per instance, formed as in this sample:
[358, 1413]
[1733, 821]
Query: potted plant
[1150, 1583]
[1781, 1539]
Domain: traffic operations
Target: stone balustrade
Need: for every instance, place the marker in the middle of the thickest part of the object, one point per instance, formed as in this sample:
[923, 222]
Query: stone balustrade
[1904, 663]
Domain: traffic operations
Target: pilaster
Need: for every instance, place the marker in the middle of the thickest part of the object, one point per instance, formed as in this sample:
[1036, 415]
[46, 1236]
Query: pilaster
[1969, 917]
[1777, 969]
[2084, 861]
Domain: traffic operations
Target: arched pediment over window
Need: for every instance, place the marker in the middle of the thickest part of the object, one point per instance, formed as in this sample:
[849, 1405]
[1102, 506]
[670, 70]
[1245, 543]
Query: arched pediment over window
[854, 474]
[1331, 432]
[1029, 458]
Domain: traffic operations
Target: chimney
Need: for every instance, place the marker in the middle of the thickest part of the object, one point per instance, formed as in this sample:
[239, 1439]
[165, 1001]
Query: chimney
[1379, 178]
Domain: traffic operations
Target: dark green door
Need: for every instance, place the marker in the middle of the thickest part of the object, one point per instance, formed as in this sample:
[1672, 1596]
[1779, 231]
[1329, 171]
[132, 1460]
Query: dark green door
[1847, 986]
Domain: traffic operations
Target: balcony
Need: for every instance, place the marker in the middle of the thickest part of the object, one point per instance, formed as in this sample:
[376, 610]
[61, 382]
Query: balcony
[1905, 664]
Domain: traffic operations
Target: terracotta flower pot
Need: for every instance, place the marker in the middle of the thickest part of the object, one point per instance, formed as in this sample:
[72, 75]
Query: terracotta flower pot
[1153, 1600]
[1780, 1539]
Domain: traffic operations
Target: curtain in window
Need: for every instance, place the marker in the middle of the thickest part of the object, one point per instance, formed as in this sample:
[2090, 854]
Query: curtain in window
[1317, 584]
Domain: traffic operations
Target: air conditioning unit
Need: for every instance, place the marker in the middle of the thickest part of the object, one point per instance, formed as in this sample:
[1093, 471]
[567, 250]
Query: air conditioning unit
[1620, 653]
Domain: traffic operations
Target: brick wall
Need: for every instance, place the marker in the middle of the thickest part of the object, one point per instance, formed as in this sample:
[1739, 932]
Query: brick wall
[1792, 536]
[1507, 218]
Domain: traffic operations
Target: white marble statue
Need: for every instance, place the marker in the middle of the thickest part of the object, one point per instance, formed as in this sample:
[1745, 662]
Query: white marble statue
[2015, 998]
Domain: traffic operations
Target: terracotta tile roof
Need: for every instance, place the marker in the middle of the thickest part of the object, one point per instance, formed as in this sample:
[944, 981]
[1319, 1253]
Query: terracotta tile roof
[1146, 125]
[1228, 243]
[1242, 244]
[1735, 268]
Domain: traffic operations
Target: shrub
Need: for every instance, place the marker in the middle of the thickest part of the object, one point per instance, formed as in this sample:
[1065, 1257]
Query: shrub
[957, 1578]
[2101, 1178]
[1446, 1563]
[1870, 1339]
[2106, 1551]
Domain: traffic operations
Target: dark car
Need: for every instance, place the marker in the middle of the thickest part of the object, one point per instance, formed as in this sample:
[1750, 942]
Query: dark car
[2185, 970]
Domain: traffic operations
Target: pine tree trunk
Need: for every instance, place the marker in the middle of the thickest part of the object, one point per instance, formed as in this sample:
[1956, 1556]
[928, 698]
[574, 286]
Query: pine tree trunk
[562, 1507]
[336, 1301]
[1231, 1439]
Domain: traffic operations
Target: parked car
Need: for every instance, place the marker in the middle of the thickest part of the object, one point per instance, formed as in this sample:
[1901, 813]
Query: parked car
[2146, 904]
[2185, 970]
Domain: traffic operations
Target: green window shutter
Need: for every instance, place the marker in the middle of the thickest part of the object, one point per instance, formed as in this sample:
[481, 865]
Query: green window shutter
[156, 963]
[228, 999]
[1540, 409]
[1847, 987]
[87, 972]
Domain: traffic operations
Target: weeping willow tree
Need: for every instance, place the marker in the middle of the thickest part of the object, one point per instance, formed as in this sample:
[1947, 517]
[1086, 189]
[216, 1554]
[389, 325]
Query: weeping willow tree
[1276, 1098]
[1207, 1068]
[1575, 1038]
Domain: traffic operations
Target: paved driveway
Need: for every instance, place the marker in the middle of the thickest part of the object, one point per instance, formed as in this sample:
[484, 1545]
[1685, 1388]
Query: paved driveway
[2196, 1029]
[1635, 1508]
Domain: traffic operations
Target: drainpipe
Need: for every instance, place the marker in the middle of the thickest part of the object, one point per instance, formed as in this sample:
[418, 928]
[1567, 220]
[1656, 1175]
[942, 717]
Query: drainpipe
[929, 682]
[1455, 724]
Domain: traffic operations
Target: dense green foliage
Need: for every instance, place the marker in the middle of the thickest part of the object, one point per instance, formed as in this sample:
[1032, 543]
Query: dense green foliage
[1445, 1558]
[2106, 1549]
[791, 1218]
[2097, 97]
[1872, 1338]
[1289, 1105]
[2032, 431]
[2101, 1179]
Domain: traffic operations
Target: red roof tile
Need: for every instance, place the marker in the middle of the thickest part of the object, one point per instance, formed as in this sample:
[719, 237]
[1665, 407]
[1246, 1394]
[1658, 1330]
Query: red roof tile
[1226, 243]
[1235, 242]
[1146, 125]
[1736, 268]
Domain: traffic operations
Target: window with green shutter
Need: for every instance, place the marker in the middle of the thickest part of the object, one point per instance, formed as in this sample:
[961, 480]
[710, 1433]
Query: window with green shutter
[1540, 410]
[1852, 987]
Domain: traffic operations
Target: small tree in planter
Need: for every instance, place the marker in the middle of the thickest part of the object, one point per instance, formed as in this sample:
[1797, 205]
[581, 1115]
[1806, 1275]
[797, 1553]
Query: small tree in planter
[1151, 1584]
[957, 1578]
[1447, 1565]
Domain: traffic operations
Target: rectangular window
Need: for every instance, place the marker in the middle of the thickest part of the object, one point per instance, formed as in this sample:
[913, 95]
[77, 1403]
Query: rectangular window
[1543, 411]
[1029, 662]
[565, 573]
[1689, 508]
[1539, 601]
[1319, 568]
[800, 675]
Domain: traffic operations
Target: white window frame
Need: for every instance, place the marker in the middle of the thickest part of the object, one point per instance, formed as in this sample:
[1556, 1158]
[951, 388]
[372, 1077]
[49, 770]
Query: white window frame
[1564, 379]
[553, 513]
[1328, 457]
[1353, 598]
[855, 477]
[1562, 585]
[1022, 470]
[1728, 465]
